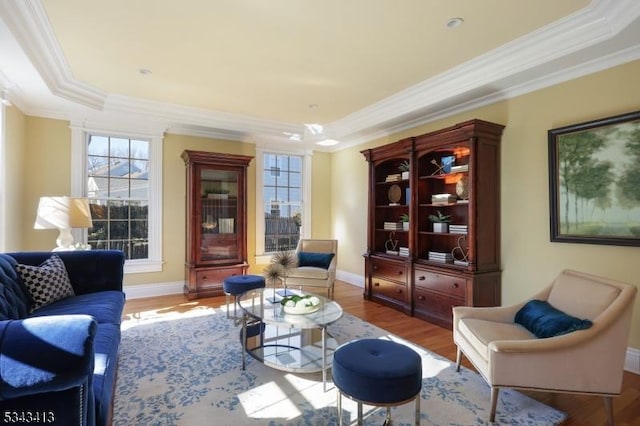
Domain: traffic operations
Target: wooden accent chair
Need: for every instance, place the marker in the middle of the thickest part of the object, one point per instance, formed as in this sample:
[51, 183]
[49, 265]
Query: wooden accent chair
[313, 269]
[588, 361]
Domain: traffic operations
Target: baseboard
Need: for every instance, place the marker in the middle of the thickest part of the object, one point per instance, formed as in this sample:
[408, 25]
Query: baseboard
[350, 278]
[632, 359]
[153, 290]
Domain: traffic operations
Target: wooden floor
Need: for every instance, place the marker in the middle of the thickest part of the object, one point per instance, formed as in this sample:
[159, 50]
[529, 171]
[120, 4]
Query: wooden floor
[582, 410]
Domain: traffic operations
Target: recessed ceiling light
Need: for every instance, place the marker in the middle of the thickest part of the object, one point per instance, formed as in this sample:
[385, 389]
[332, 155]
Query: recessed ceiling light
[145, 71]
[455, 22]
[328, 142]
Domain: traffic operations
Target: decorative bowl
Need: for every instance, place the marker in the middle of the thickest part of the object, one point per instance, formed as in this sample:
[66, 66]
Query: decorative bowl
[298, 305]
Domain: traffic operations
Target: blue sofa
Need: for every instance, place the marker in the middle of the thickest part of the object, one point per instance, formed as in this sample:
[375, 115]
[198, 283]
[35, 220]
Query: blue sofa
[58, 363]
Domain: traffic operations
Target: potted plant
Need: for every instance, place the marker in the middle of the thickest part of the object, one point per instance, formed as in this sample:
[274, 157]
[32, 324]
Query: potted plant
[440, 222]
[405, 221]
[404, 170]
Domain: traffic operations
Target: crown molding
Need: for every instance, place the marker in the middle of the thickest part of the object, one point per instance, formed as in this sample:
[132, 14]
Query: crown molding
[598, 22]
[528, 63]
[547, 80]
[28, 22]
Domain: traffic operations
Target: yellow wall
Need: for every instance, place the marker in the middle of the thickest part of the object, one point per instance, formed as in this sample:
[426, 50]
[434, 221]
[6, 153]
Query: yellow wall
[529, 259]
[48, 146]
[339, 186]
[15, 141]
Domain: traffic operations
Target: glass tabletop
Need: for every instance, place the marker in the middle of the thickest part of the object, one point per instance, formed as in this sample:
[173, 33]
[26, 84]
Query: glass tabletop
[264, 304]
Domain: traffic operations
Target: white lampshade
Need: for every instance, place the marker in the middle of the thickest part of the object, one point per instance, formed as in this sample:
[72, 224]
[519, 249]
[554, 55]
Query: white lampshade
[63, 213]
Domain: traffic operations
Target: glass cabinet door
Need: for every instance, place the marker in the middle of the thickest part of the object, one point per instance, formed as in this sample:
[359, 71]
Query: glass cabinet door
[218, 215]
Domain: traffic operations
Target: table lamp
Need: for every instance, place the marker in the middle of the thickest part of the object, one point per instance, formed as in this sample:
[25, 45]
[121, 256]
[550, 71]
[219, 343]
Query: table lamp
[63, 213]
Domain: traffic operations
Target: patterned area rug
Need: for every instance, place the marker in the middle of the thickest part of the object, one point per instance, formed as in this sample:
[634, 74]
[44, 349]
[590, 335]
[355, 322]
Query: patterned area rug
[186, 370]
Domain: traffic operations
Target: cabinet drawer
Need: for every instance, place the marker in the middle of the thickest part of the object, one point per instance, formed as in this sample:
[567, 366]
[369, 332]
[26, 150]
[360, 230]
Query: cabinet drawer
[389, 289]
[447, 284]
[389, 270]
[214, 277]
[435, 305]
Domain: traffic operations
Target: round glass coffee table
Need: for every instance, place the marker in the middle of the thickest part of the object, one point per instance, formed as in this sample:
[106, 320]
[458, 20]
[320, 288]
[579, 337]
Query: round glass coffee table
[297, 343]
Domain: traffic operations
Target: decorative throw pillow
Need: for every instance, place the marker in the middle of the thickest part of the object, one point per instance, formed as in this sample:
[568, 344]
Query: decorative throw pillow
[317, 260]
[46, 283]
[543, 320]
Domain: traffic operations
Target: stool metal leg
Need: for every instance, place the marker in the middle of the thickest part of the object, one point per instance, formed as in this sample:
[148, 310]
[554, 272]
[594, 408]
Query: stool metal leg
[244, 341]
[418, 398]
[360, 422]
[339, 406]
[226, 298]
[387, 420]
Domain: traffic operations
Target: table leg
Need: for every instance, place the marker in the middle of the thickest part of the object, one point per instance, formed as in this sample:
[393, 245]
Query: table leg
[324, 358]
[243, 336]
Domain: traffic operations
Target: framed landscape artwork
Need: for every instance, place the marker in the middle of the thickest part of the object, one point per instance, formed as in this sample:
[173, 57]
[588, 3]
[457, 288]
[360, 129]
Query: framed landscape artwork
[594, 181]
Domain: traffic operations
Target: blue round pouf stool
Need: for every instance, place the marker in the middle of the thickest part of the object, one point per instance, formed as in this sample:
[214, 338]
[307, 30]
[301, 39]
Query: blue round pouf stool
[377, 372]
[238, 284]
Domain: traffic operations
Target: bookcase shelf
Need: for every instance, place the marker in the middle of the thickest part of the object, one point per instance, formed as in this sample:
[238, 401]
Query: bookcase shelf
[461, 166]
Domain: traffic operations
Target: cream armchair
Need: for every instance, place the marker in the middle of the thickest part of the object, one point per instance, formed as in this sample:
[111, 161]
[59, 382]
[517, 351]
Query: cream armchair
[589, 361]
[312, 271]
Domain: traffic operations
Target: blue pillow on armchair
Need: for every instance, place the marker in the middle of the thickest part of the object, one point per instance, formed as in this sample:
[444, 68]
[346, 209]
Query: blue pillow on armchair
[543, 320]
[317, 260]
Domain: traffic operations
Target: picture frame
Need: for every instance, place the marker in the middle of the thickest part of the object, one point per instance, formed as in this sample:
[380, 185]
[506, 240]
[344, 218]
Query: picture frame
[594, 181]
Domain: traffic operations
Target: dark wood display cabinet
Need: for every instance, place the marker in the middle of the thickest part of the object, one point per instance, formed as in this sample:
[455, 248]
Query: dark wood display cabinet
[454, 173]
[216, 234]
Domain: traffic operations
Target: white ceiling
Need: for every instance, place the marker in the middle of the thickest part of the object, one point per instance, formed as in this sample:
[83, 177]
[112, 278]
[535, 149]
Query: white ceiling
[250, 69]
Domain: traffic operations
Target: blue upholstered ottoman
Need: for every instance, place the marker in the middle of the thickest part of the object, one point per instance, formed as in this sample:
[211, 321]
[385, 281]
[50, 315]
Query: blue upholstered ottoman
[377, 372]
[238, 284]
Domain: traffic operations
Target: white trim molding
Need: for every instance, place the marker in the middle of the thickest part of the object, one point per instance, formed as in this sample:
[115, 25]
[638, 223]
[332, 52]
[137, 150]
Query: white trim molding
[80, 129]
[307, 155]
[594, 38]
[632, 360]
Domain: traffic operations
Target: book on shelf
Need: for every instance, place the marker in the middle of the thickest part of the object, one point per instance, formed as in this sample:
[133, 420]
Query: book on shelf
[437, 256]
[443, 199]
[393, 226]
[404, 251]
[460, 168]
[396, 177]
[458, 229]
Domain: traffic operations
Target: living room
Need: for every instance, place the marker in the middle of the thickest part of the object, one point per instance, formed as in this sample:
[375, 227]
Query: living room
[38, 153]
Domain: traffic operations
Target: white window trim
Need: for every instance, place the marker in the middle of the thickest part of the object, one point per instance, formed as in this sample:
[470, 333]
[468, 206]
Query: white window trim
[79, 135]
[261, 257]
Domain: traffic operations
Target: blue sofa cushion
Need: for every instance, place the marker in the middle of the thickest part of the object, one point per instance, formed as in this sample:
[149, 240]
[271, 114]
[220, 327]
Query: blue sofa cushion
[317, 260]
[15, 302]
[104, 306]
[104, 372]
[46, 283]
[90, 271]
[543, 320]
[45, 354]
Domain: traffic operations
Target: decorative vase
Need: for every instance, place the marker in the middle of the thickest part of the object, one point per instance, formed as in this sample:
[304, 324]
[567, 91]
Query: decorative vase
[405, 226]
[440, 227]
[462, 188]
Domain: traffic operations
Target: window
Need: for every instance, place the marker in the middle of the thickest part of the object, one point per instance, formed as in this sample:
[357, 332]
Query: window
[118, 192]
[282, 188]
[121, 174]
[282, 197]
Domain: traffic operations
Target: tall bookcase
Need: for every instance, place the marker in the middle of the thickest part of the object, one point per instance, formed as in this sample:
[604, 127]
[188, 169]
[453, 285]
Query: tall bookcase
[416, 268]
[216, 210]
